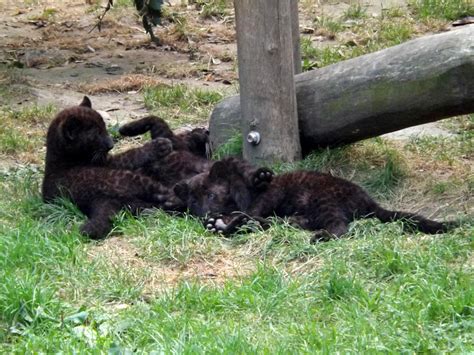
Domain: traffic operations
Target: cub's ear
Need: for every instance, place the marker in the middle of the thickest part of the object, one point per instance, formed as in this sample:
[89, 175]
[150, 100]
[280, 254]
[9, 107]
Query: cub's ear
[86, 102]
[70, 128]
[219, 170]
[182, 191]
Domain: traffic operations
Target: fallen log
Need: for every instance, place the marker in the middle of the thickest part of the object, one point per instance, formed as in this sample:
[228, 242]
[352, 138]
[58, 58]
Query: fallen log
[416, 82]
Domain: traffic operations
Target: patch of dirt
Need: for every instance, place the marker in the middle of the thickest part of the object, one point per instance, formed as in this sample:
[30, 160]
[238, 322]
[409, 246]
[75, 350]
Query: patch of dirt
[63, 57]
[215, 269]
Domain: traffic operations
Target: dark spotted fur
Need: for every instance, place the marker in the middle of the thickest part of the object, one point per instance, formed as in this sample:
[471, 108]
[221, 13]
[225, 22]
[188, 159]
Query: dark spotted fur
[195, 141]
[188, 158]
[79, 167]
[315, 201]
[247, 184]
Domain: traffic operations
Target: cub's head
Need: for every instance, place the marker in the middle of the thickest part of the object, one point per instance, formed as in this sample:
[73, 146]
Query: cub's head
[78, 134]
[220, 190]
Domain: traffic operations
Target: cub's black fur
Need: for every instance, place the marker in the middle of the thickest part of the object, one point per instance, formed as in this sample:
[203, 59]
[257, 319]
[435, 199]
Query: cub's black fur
[202, 195]
[195, 141]
[315, 201]
[79, 167]
[188, 158]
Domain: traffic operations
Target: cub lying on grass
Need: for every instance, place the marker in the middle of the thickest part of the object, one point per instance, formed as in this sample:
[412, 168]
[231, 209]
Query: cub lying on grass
[190, 156]
[79, 167]
[315, 201]
[195, 141]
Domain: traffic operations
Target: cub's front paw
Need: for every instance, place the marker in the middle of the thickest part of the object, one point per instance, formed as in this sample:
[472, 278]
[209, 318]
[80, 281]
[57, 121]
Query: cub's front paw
[321, 235]
[161, 146]
[226, 224]
[94, 230]
[216, 224]
[261, 178]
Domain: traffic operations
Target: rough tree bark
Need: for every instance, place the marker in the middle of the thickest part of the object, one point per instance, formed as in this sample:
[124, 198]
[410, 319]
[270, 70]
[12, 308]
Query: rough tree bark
[295, 34]
[419, 81]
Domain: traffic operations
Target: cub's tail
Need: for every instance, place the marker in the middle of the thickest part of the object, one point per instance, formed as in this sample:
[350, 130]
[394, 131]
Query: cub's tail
[157, 127]
[421, 223]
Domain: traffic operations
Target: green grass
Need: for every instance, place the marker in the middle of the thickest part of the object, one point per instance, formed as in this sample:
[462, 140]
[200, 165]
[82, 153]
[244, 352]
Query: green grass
[48, 14]
[448, 149]
[10, 83]
[355, 11]
[442, 9]
[123, 3]
[395, 33]
[380, 290]
[213, 8]
[328, 26]
[22, 131]
[180, 103]
[233, 147]
[369, 37]
[367, 34]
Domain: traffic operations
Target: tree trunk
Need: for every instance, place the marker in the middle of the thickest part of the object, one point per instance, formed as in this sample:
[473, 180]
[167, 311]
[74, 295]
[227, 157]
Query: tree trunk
[267, 86]
[295, 34]
[419, 81]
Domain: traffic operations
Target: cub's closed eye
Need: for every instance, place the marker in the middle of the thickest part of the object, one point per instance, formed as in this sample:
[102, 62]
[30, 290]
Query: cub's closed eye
[211, 196]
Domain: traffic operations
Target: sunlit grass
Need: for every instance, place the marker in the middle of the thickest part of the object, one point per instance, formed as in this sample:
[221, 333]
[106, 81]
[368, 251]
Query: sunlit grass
[377, 288]
[180, 103]
[22, 132]
[442, 9]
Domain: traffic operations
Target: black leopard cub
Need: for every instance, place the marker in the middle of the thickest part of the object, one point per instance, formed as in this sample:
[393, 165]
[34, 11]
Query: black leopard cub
[79, 167]
[195, 141]
[190, 155]
[312, 200]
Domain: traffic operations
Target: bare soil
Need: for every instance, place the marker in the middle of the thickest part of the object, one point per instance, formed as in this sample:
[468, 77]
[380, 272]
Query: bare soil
[64, 57]
[158, 277]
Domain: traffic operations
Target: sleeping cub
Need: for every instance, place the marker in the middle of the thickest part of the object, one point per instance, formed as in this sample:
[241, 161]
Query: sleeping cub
[312, 200]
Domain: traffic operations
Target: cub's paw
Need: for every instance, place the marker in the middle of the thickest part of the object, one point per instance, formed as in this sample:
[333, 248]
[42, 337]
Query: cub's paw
[215, 224]
[161, 146]
[169, 202]
[261, 178]
[94, 230]
[225, 224]
[321, 235]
